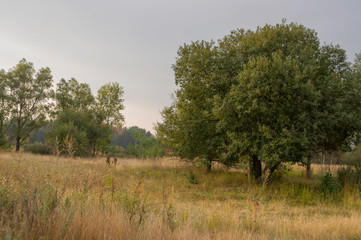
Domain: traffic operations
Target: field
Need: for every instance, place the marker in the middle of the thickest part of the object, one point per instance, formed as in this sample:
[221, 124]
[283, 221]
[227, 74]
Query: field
[45, 197]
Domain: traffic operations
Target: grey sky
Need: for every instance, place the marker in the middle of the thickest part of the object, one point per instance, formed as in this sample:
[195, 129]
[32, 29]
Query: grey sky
[135, 42]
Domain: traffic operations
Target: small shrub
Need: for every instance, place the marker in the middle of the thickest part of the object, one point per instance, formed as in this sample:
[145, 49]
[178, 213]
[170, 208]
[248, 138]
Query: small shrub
[329, 184]
[134, 206]
[169, 216]
[192, 178]
[38, 148]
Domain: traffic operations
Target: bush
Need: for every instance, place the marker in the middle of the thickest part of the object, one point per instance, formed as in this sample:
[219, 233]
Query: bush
[329, 184]
[38, 148]
[192, 178]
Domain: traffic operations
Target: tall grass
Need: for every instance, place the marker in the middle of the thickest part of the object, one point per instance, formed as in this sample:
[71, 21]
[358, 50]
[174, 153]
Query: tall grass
[45, 197]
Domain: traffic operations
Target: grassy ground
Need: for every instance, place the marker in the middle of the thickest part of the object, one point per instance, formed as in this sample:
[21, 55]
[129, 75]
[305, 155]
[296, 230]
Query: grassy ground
[44, 197]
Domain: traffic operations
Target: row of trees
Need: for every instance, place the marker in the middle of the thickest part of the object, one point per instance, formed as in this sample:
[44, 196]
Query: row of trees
[125, 142]
[263, 97]
[79, 123]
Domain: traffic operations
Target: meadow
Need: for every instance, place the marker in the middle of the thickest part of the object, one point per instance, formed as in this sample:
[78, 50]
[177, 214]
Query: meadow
[48, 197]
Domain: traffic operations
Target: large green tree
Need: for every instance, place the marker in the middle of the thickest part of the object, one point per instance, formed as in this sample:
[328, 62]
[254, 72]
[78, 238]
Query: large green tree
[267, 96]
[28, 98]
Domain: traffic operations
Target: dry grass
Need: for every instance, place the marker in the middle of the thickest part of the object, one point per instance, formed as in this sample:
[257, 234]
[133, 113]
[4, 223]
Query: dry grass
[318, 169]
[44, 197]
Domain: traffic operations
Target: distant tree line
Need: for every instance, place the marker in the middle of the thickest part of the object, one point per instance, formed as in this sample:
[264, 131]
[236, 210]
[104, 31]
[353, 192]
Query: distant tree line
[67, 120]
[124, 142]
[137, 142]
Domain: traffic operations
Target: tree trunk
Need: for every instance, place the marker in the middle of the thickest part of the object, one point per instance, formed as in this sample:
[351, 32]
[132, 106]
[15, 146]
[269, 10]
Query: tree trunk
[209, 166]
[308, 169]
[17, 144]
[256, 169]
[271, 169]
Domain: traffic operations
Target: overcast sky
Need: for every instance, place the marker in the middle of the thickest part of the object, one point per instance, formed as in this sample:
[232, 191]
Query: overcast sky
[135, 42]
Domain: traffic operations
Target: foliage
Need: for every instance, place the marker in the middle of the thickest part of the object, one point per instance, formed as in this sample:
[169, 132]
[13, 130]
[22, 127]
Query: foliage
[114, 151]
[72, 94]
[126, 137]
[84, 128]
[146, 147]
[109, 102]
[70, 123]
[38, 148]
[170, 216]
[83, 120]
[328, 184]
[133, 204]
[357, 67]
[137, 142]
[192, 178]
[189, 125]
[5, 120]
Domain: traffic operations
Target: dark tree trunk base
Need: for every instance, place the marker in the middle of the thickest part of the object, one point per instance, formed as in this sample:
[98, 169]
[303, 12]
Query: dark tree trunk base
[209, 166]
[256, 169]
[17, 144]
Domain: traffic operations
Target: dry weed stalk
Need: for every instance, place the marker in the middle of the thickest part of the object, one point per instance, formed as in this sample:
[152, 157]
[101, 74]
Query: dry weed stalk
[57, 147]
[69, 145]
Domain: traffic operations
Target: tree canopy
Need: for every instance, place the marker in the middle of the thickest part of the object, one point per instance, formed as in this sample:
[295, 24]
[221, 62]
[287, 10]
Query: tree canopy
[109, 103]
[72, 94]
